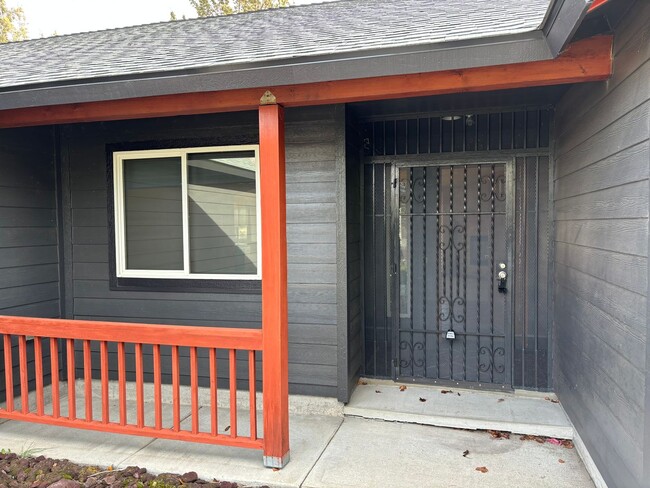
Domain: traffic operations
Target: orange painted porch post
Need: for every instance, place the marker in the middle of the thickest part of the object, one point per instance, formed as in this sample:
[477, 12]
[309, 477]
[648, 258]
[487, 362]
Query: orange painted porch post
[274, 285]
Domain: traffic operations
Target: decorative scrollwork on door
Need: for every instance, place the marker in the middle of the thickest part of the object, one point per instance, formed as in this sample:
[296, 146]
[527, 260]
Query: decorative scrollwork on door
[500, 188]
[496, 189]
[418, 190]
[452, 237]
[488, 359]
[453, 309]
[486, 188]
[411, 347]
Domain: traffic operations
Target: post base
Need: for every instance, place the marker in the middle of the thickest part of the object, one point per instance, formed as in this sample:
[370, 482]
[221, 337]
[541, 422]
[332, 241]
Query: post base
[276, 462]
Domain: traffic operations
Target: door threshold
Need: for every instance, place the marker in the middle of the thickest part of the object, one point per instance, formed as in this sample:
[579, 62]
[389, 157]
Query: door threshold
[460, 408]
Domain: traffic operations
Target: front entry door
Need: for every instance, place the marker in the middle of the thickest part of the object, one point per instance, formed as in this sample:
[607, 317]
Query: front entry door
[454, 285]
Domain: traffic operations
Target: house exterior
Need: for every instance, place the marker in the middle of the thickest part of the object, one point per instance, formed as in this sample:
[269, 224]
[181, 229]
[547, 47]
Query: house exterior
[454, 192]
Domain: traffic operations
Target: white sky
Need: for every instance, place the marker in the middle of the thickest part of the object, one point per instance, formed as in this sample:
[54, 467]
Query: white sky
[45, 17]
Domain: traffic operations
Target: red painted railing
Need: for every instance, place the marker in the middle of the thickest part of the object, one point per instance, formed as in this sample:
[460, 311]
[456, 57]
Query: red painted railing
[83, 336]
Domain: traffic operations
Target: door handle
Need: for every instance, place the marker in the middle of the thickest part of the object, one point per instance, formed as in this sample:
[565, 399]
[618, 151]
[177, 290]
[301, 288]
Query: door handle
[502, 278]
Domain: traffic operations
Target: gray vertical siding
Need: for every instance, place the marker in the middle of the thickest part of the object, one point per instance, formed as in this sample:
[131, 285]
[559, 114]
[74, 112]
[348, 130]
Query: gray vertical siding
[601, 265]
[311, 234]
[29, 270]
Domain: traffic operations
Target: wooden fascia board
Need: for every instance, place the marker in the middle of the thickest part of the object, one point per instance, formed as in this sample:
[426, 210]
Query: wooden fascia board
[583, 61]
[596, 4]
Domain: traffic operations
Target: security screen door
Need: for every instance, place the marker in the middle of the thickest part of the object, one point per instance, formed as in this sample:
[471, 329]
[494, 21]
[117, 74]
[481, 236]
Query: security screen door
[452, 278]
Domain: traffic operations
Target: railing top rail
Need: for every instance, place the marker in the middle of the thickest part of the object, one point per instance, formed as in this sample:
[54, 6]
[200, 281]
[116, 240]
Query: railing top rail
[164, 335]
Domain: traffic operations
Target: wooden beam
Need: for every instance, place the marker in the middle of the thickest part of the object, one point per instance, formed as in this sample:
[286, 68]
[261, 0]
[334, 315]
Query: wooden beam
[596, 4]
[275, 332]
[585, 60]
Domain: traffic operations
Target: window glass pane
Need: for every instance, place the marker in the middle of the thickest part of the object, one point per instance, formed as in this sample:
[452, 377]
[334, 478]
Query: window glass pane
[153, 213]
[222, 212]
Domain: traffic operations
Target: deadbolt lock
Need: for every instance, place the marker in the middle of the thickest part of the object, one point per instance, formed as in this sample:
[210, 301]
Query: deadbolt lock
[502, 278]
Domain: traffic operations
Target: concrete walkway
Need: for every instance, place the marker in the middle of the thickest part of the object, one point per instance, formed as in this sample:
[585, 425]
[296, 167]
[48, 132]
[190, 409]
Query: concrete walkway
[327, 451]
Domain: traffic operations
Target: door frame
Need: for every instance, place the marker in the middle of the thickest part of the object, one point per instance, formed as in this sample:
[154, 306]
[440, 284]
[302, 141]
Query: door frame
[510, 239]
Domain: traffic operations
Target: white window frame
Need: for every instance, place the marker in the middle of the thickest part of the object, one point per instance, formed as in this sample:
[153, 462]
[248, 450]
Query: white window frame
[120, 222]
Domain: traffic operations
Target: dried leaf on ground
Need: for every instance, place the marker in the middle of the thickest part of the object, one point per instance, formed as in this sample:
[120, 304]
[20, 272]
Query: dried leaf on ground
[552, 400]
[500, 400]
[402, 387]
[466, 453]
[423, 399]
[276, 469]
[536, 438]
[377, 391]
[444, 392]
[561, 461]
[498, 434]
[482, 469]
[567, 443]
[362, 382]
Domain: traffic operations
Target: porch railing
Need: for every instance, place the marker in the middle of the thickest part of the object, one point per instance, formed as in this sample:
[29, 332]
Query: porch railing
[60, 335]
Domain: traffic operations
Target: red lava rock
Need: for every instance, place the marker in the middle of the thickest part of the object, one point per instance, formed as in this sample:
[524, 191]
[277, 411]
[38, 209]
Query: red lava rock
[42, 472]
[66, 484]
[189, 477]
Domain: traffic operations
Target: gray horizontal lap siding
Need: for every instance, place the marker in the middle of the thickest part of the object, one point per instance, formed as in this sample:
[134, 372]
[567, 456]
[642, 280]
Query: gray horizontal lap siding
[311, 235]
[29, 269]
[601, 257]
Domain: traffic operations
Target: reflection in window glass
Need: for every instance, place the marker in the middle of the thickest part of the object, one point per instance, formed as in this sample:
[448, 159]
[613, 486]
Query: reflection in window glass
[153, 214]
[222, 212]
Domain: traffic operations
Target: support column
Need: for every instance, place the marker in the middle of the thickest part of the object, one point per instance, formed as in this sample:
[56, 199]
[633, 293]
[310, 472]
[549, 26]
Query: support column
[274, 284]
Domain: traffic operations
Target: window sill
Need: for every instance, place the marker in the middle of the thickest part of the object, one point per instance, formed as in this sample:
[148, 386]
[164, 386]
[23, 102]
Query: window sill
[187, 285]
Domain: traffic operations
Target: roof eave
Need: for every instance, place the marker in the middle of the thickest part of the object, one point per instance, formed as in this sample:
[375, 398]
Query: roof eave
[515, 48]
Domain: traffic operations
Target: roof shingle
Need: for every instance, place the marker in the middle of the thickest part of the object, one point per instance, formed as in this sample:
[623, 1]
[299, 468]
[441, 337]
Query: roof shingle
[275, 36]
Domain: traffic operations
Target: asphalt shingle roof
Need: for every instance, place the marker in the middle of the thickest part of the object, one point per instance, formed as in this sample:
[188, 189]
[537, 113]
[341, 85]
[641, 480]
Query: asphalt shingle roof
[272, 36]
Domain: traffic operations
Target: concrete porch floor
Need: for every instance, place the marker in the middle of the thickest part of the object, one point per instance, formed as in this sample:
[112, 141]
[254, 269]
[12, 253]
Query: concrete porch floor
[521, 412]
[330, 451]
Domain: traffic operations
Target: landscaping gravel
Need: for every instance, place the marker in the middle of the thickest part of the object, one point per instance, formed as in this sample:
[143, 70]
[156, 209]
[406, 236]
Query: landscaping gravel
[42, 472]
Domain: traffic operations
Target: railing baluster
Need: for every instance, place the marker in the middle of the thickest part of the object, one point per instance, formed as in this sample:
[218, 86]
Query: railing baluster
[38, 366]
[54, 365]
[233, 393]
[121, 376]
[88, 381]
[253, 395]
[103, 352]
[176, 394]
[9, 373]
[72, 397]
[59, 332]
[139, 385]
[24, 377]
[194, 386]
[156, 386]
[214, 418]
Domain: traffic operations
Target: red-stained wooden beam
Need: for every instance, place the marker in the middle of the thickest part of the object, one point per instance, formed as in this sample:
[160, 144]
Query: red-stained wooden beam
[113, 427]
[275, 355]
[174, 335]
[585, 60]
[596, 4]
